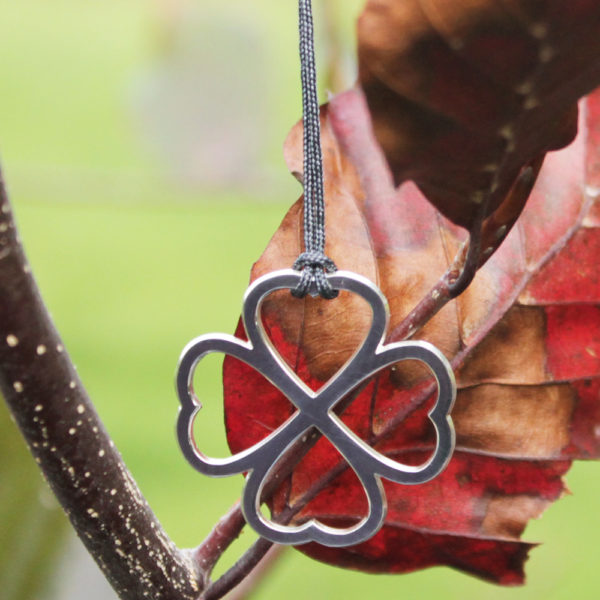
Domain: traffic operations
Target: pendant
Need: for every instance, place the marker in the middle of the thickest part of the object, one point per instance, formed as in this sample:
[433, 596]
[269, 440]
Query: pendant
[315, 409]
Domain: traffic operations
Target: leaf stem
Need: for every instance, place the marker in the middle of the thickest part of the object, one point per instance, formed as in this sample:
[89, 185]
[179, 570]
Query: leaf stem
[485, 237]
[454, 281]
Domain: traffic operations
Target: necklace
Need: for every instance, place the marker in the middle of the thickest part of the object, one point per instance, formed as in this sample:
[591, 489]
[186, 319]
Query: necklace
[315, 274]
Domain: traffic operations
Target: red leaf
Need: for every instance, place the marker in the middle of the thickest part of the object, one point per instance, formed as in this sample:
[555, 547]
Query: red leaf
[523, 340]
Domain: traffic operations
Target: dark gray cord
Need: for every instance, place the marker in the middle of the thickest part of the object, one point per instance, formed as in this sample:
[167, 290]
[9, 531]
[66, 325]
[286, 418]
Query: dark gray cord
[313, 262]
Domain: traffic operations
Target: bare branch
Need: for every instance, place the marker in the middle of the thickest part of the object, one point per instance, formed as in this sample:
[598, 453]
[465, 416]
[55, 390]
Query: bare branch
[254, 579]
[484, 239]
[71, 446]
[220, 538]
[242, 568]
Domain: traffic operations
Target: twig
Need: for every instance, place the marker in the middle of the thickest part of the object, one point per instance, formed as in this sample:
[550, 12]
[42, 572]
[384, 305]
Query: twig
[220, 538]
[253, 580]
[454, 281]
[485, 237]
[250, 559]
[239, 571]
[71, 446]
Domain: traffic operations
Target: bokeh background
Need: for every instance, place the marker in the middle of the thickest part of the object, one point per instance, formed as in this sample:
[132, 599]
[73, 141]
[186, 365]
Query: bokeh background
[141, 144]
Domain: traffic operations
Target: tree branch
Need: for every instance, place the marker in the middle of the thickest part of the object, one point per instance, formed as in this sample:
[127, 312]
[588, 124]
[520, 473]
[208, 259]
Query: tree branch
[208, 553]
[250, 559]
[71, 446]
[242, 568]
[253, 579]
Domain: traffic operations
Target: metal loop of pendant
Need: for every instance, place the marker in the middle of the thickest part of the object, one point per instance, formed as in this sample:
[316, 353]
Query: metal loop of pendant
[315, 409]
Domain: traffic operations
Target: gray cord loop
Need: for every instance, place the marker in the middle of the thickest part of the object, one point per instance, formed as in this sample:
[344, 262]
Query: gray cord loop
[314, 265]
[313, 262]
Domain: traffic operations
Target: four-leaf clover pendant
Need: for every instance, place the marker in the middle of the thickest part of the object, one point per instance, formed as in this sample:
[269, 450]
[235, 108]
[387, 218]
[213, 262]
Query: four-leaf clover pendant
[315, 409]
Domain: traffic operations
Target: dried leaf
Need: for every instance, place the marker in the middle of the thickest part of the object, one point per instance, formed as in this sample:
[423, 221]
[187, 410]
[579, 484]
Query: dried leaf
[523, 340]
[498, 80]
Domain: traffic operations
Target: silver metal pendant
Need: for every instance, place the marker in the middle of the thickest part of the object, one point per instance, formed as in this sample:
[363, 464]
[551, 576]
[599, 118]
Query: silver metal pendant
[315, 409]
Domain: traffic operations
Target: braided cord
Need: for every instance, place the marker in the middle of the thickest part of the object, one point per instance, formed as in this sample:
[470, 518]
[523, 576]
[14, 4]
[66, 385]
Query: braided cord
[313, 262]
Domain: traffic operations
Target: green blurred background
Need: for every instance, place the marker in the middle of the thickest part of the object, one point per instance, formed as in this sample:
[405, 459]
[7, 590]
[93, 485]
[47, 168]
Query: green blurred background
[141, 144]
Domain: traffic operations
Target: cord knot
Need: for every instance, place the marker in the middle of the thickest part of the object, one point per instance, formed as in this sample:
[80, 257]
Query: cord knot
[314, 266]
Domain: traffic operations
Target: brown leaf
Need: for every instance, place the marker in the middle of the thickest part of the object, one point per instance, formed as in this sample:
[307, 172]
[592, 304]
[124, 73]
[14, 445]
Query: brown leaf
[466, 94]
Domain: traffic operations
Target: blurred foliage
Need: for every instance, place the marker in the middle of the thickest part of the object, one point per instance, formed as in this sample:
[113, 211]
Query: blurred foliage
[133, 262]
[211, 95]
[32, 525]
